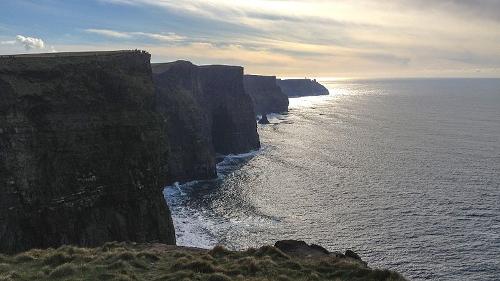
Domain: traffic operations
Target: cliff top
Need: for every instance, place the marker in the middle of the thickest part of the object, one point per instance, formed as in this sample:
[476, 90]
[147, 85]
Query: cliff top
[255, 76]
[127, 261]
[44, 61]
[71, 54]
[164, 66]
[298, 79]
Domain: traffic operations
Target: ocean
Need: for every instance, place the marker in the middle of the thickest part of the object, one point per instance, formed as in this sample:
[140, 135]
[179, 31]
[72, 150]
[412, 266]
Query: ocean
[404, 172]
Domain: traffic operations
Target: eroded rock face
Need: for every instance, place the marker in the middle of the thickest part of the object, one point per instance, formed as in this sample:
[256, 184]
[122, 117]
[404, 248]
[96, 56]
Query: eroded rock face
[178, 92]
[234, 129]
[82, 151]
[302, 87]
[217, 92]
[267, 97]
[298, 248]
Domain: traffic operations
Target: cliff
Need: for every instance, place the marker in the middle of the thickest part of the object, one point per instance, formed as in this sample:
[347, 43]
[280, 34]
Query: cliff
[129, 261]
[267, 97]
[302, 87]
[191, 152]
[218, 92]
[82, 151]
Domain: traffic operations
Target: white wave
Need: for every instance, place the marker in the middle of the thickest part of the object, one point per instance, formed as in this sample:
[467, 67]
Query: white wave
[274, 118]
[196, 228]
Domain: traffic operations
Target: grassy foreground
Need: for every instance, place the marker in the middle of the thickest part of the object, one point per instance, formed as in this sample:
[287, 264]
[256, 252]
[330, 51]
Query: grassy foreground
[130, 261]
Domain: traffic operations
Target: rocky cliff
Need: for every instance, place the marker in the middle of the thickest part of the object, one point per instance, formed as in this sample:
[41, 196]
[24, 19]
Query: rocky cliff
[178, 92]
[301, 87]
[218, 92]
[267, 97]
[82, 151]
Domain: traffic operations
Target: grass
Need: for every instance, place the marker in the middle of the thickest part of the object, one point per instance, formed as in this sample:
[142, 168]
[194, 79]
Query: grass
[130, 261]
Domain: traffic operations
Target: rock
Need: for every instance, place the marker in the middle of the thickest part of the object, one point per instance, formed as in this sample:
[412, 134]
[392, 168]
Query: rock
[191, 152]
[300, 248]
[352, 254]
[320, 248]
[83, 151]
[267, 97]
[218, 92]
[264, 120]
[302, 87]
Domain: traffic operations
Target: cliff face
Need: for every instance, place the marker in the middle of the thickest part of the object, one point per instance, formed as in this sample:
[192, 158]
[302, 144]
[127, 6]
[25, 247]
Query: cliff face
[82, 151]
[234, 129]
[267, 97]
[216, 91]
[302, 87]
[191, 153]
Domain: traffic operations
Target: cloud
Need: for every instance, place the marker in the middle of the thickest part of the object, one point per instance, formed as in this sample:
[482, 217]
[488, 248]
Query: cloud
[108, 33]
[11, 42]
[30, 43]
[168, 37]
[469, 8]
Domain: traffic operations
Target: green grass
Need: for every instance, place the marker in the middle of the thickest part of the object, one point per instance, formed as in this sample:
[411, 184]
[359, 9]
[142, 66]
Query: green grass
[130, 261]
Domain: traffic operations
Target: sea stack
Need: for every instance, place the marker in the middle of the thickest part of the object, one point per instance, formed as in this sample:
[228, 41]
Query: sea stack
[263, 120]
[82, 151]
[266, 95]
[302, 87]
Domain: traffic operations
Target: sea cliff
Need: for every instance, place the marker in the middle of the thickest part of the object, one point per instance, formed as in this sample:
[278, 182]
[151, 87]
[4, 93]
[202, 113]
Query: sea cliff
[217, 91]
[87, 142]
[302, 87]
[266, 95]
[82, 151]
[191, 154]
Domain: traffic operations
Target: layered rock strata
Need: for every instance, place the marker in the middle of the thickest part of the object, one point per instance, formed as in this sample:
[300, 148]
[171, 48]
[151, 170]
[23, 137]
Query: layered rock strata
[266, 95]
[82, 151]
[217, 92]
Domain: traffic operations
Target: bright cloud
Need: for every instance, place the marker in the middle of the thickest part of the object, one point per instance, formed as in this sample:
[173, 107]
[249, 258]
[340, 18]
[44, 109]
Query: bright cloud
[292, 37]
[109, 33]
[168, 37]
[30, 43]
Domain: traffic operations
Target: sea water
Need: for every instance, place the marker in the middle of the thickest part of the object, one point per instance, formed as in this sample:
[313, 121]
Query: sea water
[404, 172]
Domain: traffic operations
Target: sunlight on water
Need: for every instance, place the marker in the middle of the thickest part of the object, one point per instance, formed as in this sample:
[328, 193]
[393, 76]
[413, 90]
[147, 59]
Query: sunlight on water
[406, 173]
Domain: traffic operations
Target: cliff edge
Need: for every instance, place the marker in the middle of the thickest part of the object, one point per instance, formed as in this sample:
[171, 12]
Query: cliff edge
[81, 151]
[266, 95]
[131, 261]
[302, 87]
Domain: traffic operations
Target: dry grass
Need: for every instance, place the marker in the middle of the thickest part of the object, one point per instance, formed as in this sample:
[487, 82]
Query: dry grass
[130, 261]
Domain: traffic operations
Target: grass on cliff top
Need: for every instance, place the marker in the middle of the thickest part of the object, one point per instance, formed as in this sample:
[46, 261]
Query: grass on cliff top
[126, 261]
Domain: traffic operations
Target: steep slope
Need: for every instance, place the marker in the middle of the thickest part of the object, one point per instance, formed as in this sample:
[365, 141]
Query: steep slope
[267, 97]
[301, 87]
[234, 129]
[82, 151]
[216, 91]
[191, 152]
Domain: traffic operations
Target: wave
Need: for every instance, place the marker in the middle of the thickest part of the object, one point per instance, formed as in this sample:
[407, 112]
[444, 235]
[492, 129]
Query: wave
[197, 227]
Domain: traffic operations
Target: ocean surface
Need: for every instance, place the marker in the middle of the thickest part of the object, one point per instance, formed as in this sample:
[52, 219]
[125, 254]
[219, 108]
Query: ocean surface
[404, 172]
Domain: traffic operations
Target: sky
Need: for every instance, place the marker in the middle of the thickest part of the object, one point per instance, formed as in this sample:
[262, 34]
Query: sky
[287, 38]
